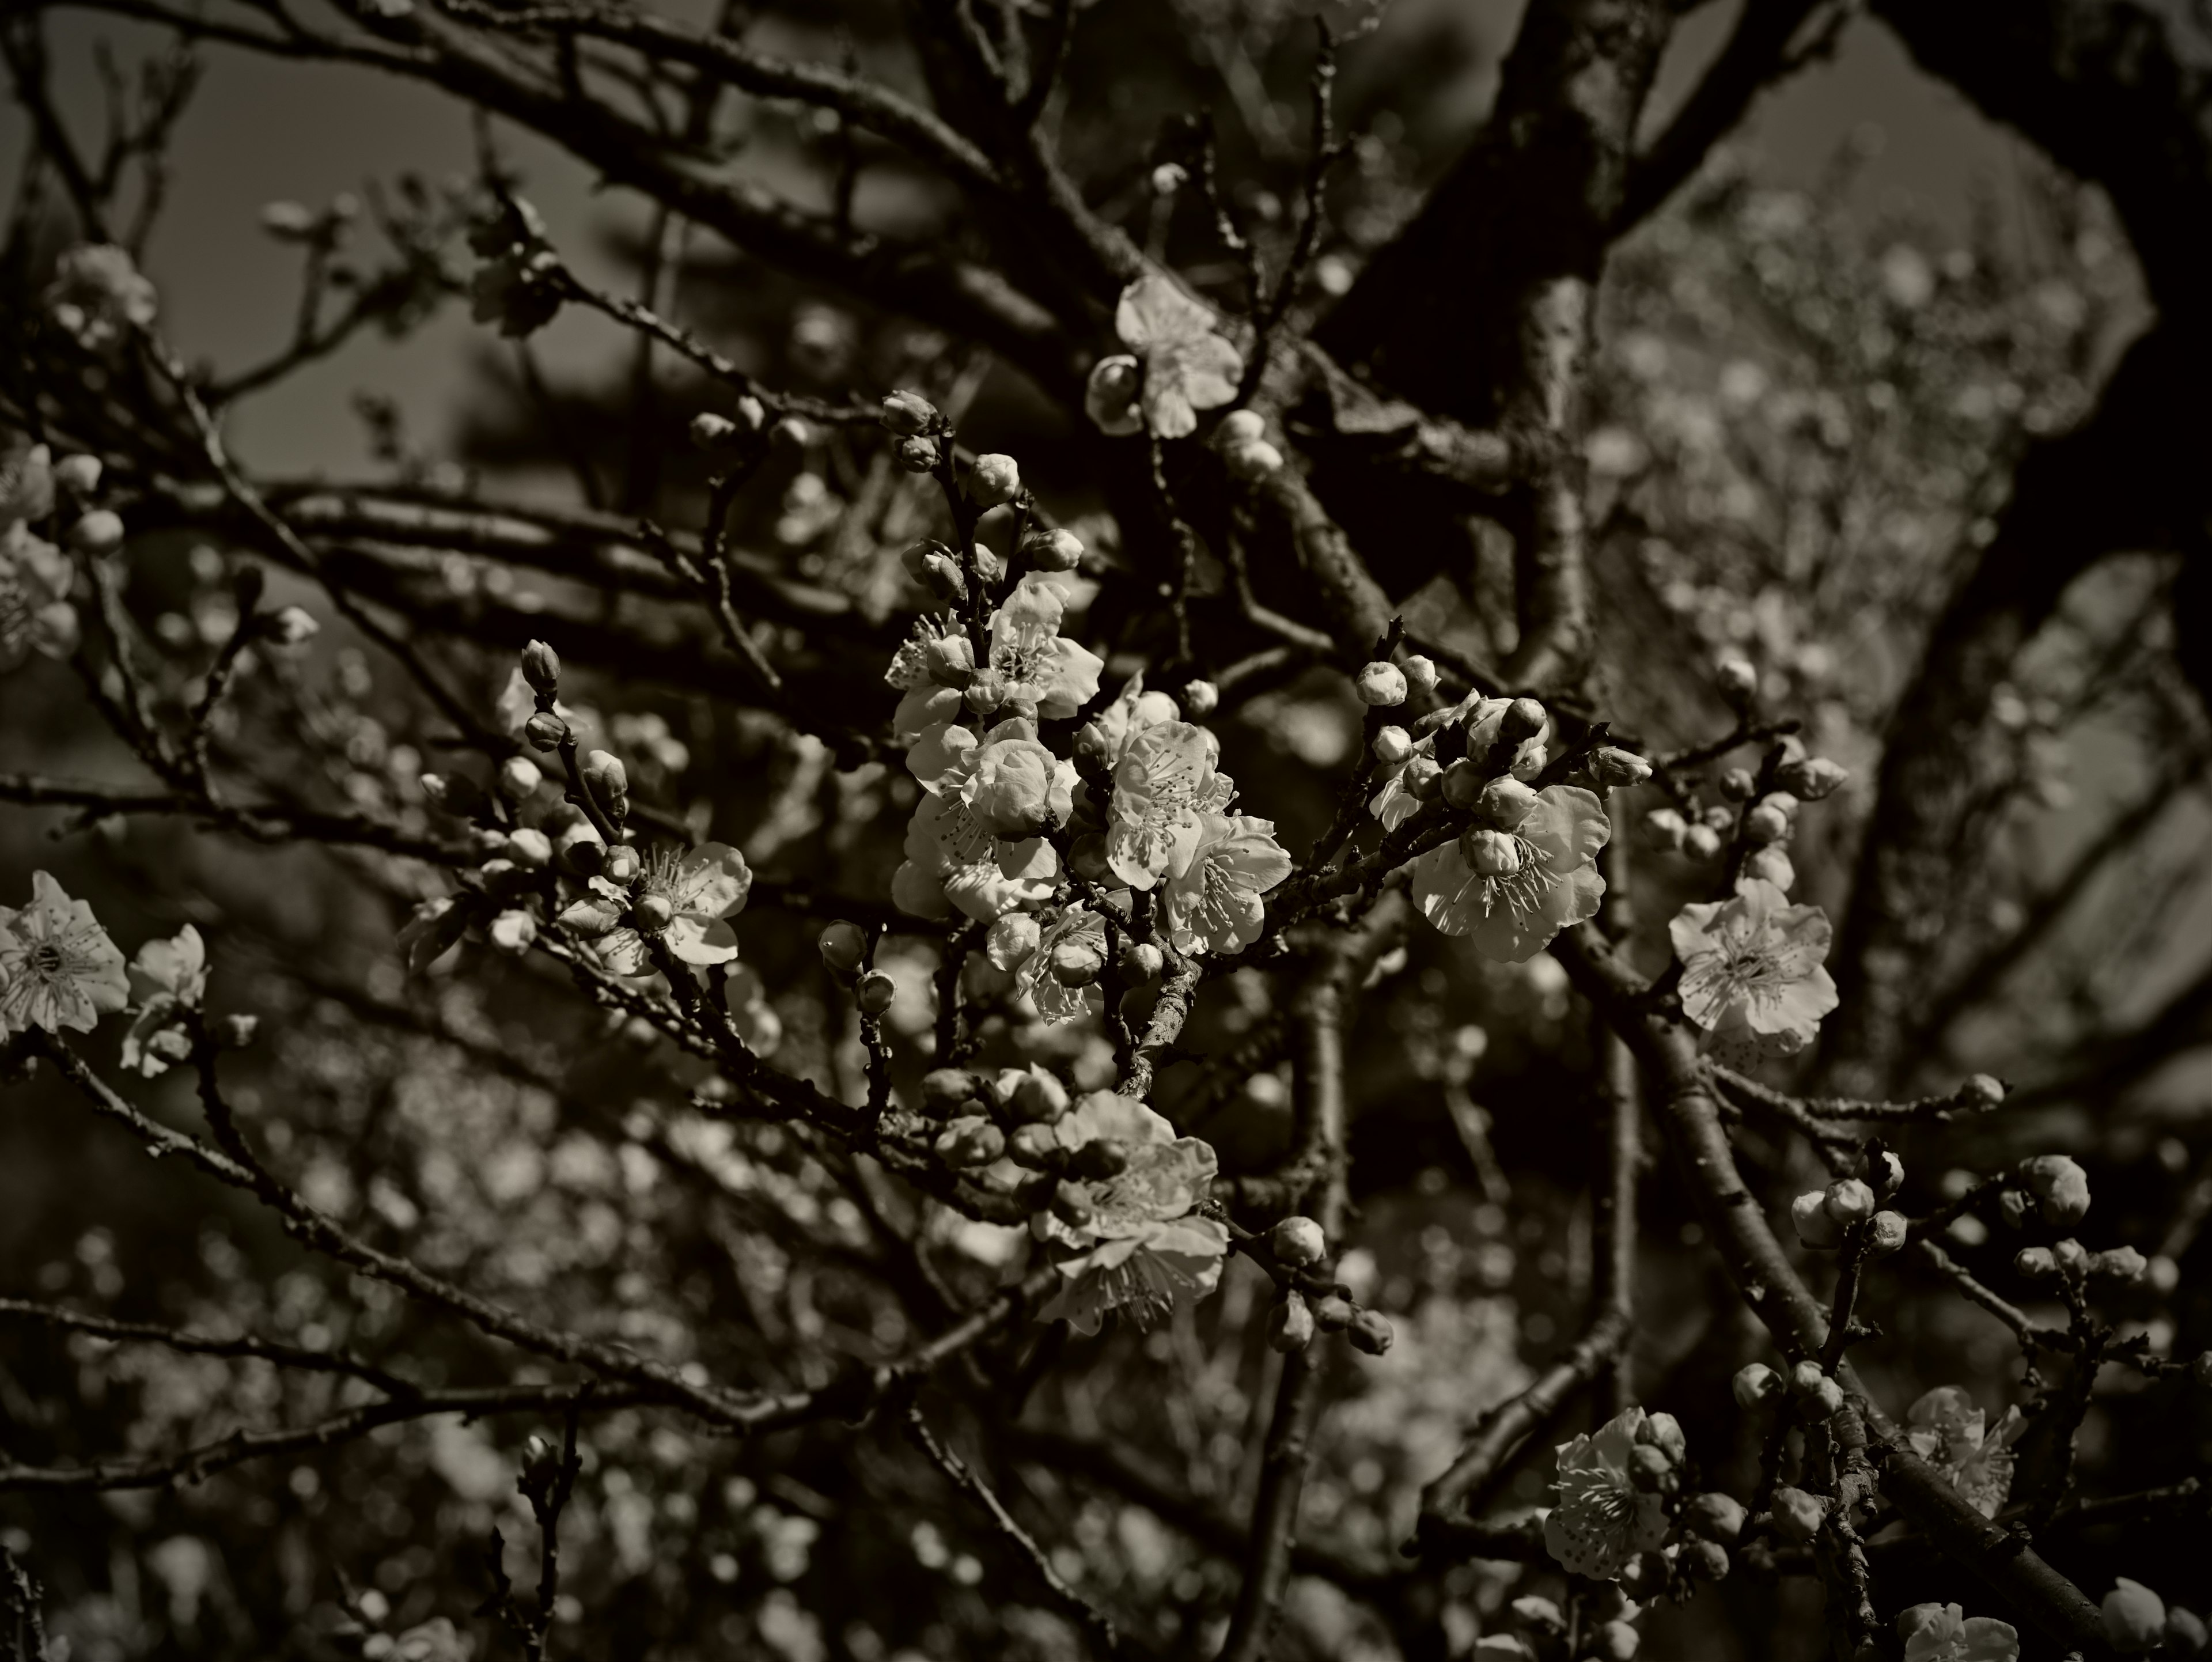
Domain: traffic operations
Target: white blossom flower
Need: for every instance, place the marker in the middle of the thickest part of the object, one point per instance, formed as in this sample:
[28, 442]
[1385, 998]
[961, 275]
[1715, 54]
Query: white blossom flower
[1140, 1245]
[1163, 787]
[58, 967]
[1944, 1633]
[98, 295]
[1948, 1432]
[1047, 676]
[1752, 974]
[1181, 365]
[1072, 926]
[703, 887]
[1601, 1521]
[26, 482]
[35, 614]
[1514, 917]
[1133, 712]
[170, 978]
[1213, 903]
[955, 853]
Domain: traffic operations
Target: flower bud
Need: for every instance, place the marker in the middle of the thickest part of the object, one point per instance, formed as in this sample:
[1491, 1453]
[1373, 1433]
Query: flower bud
[100, 532]
[844, 948]
[1462, 784]
[944, 1089]
[2060, 1186]
[1737, 680]
[909, 415]
[1811, 777]
[1201, 699]
[654, 911]
[235, 1032]
[1716, 1516]
[1815, 1227]
[1141, 960]
[2012, 1207]
[1983, 1091]
[1370, 1331]
[1616, 1641]
[540, 668]
[1535, 1612]
[2072, 1257]
[456, 793]
[918, 455]
[532, 850]
[2035, 1263]
[2185, 1636]
[1393, 746]
[1168, 178]
[710, 431]
[993, 479]
[1506, 803]
[1755, 1382]
[1011, 940]
[1736, 784]
[1252, 462]
[1420, 673]
[1033, 1146]
[1771, 864]
[1885, 1171]
[1523, 718]
[1333, 1312]
[1701, 843]
[79, 473]
[874, 992]
[486, 843]
[513, 932]
[1298, 1242]
[1076, 963]
[1665, 827]
[1240, 427]
[1782, 803]
[2119, 1263]
[1849, 1200]
[1616, 769]
[545, 731]
[1663, 1432]
[1053, 551]
[1652, 1472]
[1766, 824]
[1886, 1232]
[1797, 1515]
[1380, 684]
[1818, 1396]
[1291, 1327]
[971, 1140]
[2135, 1617]
[290, 626]
[1490, 853]
[1705, 1560]
[1423, 778]
[519, 778]
[621, 865]
[607, 777]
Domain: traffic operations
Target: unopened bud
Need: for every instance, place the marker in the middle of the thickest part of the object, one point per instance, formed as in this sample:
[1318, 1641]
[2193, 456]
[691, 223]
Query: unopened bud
[541, 667]
[2134, 1615]
[1886, 1232]
[1666, 827]
[1980, 1091]
[918, 455]
[100, 532]
[609, 782]
[1811, 777]
[752, 414]
[1490, 853]
[2072, 1257]
[532, 850]
[1201, 699]
[78, 474]
[1053, 551]
[1716, 1516]
[710, 431]
[1011, 940]
[1652, 1472]
[1705, 1560]
[1292, 1326]
[971, 1141]
[993, 479]
[1797, 1515]
[844, 948]
[985, 691]
[1737, 680]
[519, 777]
[1168, 178]
[1298, 1242]
[1616, 769]
[1141, 960]
[1076, 963]
[1240, 427]
[874, 992]
[2060, 1186]
[1766, 824]
[1849, 1200]
[1380, 684]
[1252, 462]
[909, 414]
[944, 1089]
[1393, 746]
[1462, 783]
[794, 433]
[1420, 673]
[545, 731]
[235, 1032]
[1370, 1331]
[1506, 803]
[1524, 718]
[290, 626]
[1035, 1147]
[2035, 1263]
[1425, 778]
[1333, 1314]
[2119, 1263]
[1701, 843]
[513, 932]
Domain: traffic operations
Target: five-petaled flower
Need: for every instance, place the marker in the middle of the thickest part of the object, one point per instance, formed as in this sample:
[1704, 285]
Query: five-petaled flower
[1947, 1430]
[703, 889]
[1752, 973]
[1213, 903]
[1181, 363]
[1513, 915]
[1139, 1243]
[972, 843]
[170, 978]
[1945, 1633]
[1602, 1521]
[35, 613]
[58, 967]
[1165, 786]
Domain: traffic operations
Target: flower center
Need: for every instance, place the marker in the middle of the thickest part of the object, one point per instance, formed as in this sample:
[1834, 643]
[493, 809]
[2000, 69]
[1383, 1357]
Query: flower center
[1522, 890]
[46, 961]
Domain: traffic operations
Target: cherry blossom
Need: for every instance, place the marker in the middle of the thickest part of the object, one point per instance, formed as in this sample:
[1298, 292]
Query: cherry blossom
[35, 614]
[1601, 1521]
[98, 295]
[1947, 1430]
[1177, 365]
[1057, 999]
[58, 967]
[1752, 973]
[170, 978]
[1213, 903]
[703, 888]
[1514, 915]
[1163, 787]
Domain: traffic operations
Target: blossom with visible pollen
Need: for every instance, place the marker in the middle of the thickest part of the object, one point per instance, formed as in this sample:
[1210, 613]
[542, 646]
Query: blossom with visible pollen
[1948, 1432]
[1139, 1245]
[1165, 786]
[700, 889]
[1213, 903]
[1752, 972]
[170, 978]
[1513, 915]
[1177, 364]
[58, 967]
[1602, 1521]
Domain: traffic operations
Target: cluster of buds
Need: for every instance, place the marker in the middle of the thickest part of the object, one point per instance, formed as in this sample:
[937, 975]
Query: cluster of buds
[2136, 1621]
[1242, 439]
[1808, 1388]
[982, 1118]
[1310, 1303]
[1847, 1214]
[848, 954]
[729, 437]
[1758, 809]
[1537, 1630]
[2073, 1262]
[1382, 685]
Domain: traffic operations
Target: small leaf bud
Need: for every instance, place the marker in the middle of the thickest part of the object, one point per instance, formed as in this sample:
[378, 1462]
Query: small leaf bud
[1298, 1242]
[875, 993]
[100, 532]
[235, 1032]
[1053, 551]
[1524, 718]
[1886, 1232]
[545, 731]
[540, 668]
[844, 947]
[1490, 853]
[1420, 673]
[994, 479]
[1370, 1331]
[1291, 1327]
[1380, 684]
[907, 414]
[918, 455]
[1393, 746]
[1506, 803]
[1755, 1382]
[1737, 680]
